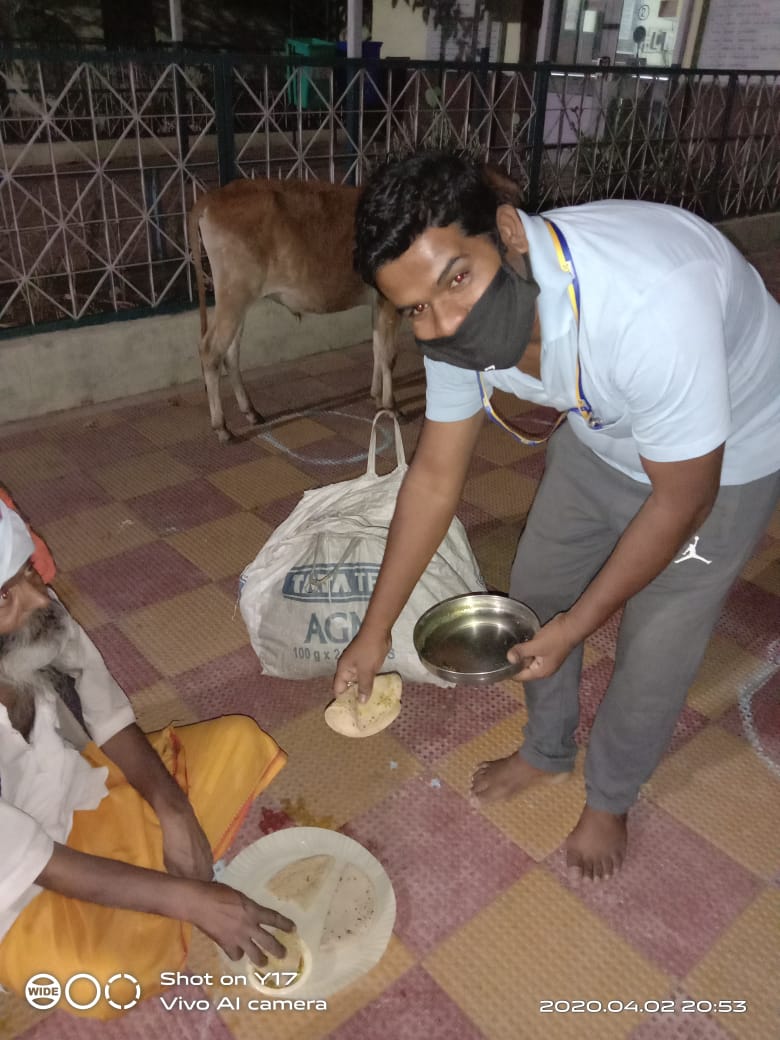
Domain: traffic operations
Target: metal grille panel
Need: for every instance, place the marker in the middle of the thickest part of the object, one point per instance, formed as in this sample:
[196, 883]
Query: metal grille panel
[103, 155]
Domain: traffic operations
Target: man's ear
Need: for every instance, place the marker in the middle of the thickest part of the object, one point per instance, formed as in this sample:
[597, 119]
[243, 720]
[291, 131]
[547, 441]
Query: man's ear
[511, 230]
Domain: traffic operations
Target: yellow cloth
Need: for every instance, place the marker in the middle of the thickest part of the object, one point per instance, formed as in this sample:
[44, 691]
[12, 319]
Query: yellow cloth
[223, 765]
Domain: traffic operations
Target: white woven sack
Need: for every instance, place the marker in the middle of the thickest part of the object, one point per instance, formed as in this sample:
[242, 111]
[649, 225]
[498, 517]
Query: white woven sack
[305, 595]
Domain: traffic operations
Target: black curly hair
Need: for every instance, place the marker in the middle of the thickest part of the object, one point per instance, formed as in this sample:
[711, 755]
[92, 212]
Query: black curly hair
[403, 198]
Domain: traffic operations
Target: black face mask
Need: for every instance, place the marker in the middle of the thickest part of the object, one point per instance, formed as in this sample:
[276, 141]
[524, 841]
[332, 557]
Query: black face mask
[497, 329]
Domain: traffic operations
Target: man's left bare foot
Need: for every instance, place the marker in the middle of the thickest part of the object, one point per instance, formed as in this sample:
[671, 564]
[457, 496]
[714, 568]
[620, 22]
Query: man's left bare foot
[505, 777]
[596, 847]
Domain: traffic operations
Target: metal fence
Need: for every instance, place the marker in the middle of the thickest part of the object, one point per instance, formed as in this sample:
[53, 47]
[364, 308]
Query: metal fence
[102, 155]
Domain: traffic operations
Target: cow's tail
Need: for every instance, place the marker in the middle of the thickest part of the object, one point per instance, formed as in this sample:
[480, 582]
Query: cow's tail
[193, 231]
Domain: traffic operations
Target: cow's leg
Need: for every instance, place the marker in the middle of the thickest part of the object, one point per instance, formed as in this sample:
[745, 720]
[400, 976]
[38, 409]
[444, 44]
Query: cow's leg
[211, 363]
[386, 322]
[220, 337]
[252, 416]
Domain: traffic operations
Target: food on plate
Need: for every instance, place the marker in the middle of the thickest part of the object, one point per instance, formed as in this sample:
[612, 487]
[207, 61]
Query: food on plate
[300, 881]
[352, 908]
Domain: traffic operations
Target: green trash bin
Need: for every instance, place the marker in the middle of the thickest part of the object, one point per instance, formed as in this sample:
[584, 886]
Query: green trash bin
[319, 51]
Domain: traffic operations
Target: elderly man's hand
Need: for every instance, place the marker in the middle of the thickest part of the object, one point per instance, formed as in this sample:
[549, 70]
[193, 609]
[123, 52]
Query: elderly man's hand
[545, 653]
[186, 849]
[236, 923]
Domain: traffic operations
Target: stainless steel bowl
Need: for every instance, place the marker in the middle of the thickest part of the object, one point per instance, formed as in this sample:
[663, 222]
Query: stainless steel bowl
[465, 639]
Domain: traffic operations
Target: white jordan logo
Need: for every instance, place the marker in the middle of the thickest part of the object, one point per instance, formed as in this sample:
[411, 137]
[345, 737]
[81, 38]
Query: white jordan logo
[691, 554]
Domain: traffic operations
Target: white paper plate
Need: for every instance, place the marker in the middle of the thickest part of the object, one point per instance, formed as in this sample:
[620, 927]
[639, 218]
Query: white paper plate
[330, 971]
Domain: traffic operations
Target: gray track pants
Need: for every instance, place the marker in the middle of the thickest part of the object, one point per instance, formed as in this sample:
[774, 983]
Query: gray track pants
[581, 509]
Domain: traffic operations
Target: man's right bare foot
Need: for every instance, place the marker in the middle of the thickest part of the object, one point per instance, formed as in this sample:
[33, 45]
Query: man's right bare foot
[506, 777]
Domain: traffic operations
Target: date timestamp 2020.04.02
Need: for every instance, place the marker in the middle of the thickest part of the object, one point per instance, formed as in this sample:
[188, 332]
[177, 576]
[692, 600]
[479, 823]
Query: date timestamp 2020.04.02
[649, 1007]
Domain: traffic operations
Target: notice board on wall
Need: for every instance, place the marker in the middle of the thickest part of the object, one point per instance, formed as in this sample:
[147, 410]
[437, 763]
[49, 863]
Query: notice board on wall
[741, 34]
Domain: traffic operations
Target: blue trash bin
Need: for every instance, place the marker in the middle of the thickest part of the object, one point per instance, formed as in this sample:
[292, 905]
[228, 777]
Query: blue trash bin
[370, 53]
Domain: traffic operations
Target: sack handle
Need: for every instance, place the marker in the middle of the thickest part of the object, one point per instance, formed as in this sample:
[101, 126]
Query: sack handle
[399, 444]
[325, 577]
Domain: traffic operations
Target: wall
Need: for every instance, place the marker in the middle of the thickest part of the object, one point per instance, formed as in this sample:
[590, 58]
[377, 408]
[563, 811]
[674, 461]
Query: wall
[511, 43]
[695, 12]
[51, 371]
[402, 31]
[745, 35]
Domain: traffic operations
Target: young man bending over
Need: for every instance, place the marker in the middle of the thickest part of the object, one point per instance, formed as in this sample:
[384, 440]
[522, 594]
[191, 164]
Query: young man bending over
[662, 346]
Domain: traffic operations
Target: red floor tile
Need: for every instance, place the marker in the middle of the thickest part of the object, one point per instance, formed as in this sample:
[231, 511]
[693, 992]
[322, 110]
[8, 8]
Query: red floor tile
[206, 455]
[235, 683]
[446, 861]
[50, 500]
[276, 512]
[125, 662]
[181, 507]
[93, 448]
[751, 616]
[296, 395]
[435, 720]
[675, 894]
[138, 578]
[415, 1007]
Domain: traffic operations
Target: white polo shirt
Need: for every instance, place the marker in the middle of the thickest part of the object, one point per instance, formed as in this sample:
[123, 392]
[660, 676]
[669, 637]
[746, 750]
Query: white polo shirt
[679, 342]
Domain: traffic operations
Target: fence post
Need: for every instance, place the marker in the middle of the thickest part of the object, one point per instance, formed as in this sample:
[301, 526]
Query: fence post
[714, 206]
[477, 112]
[352, 100]
[223, 113]
[541, 87]
[180, 105]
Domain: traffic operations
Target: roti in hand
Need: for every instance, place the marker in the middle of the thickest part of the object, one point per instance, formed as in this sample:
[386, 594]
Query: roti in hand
[347, 716]
[300, 881]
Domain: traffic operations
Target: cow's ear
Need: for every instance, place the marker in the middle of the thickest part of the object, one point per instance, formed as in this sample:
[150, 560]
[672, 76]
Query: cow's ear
[503, 186]
[510, 228]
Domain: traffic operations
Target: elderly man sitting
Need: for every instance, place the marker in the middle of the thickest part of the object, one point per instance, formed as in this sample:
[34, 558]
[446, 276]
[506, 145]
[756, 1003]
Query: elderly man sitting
[108, 852]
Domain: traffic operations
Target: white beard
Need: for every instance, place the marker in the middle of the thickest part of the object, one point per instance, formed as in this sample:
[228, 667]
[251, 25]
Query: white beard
[26, 658]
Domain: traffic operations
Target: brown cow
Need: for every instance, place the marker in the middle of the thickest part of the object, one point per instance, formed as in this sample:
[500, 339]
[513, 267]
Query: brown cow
[289, 240]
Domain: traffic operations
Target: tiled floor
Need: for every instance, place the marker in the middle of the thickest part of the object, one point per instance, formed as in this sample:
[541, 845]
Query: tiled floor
[151, 523]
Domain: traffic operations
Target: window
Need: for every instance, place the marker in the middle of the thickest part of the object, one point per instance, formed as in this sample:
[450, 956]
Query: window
[626, 32]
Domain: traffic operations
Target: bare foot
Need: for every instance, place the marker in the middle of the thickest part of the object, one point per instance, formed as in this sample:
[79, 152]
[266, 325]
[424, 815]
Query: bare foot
[596, 847]
[505, 777]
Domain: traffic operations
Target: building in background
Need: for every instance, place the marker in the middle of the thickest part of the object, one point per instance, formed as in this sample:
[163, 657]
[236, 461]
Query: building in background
[733, 34]
[723, 34]
[503, 31]
[720, 34]
[623, 32]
